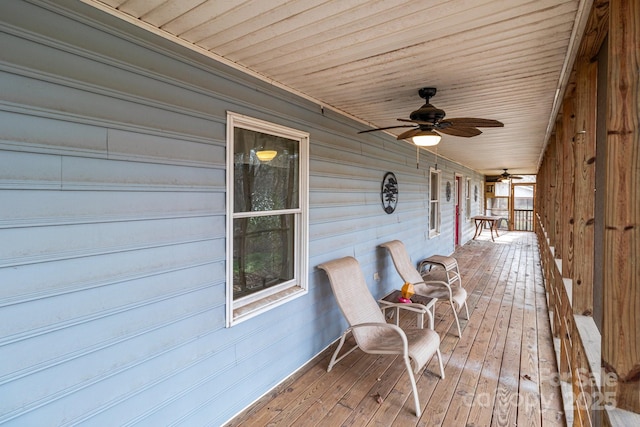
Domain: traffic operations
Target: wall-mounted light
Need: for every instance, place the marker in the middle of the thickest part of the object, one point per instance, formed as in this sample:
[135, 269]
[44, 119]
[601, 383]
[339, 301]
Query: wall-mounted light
[266, 155]
[426, 138]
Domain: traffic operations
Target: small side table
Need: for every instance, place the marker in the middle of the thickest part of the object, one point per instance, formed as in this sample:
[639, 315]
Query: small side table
[420, 304]
[481, 220]
[447, 263]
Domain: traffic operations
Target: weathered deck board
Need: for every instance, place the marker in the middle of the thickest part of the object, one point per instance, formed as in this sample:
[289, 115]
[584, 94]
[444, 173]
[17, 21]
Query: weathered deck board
[452, 389]
[505, 409]
[481, 411]
[473, 372]
[529, 412]
[500, 372]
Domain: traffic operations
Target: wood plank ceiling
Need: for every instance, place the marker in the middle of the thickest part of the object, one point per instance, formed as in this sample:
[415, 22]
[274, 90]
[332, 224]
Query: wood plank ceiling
[497, 59]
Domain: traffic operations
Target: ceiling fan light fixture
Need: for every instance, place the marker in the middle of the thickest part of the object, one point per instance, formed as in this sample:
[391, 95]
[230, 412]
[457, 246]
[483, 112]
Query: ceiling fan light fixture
[426, 139]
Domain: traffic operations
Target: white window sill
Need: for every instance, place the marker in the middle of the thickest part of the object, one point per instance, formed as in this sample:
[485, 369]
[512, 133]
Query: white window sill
[255, 308]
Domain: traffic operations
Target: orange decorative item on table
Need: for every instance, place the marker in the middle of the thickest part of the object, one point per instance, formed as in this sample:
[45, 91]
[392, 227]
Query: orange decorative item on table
[407, 292]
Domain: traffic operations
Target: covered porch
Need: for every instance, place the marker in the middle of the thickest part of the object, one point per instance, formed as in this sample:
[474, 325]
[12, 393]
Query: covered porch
[118, 182]
[502, 371]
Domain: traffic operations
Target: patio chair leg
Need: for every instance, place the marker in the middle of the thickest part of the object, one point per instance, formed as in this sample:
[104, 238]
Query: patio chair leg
[466, 308]
[455, 316]
[413, 385]
[440, 363]
[335, 359]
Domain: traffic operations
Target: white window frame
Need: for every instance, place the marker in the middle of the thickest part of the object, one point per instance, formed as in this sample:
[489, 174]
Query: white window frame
[467, 213]
[434, 199]
[252, 305]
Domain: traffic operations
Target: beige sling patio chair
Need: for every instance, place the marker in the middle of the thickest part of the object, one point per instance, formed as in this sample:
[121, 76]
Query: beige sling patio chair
[369, 327]
[428, 286]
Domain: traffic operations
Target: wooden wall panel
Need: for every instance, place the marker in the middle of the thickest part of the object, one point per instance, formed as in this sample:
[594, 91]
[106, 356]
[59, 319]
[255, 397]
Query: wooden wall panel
[585, 176]
[621, 341]
[567, 200]
[542, 194]
[557, 170]
[615, 345]
[552, 188]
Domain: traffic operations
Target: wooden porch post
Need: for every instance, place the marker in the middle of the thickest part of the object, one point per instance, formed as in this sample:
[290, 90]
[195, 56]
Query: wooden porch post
[552, 187]
[557, 211]
[567, 197]
[585, 183]
[621, 285]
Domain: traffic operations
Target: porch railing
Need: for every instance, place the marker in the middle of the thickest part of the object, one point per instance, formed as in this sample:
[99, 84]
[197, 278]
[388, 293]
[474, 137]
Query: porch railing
[523, 219]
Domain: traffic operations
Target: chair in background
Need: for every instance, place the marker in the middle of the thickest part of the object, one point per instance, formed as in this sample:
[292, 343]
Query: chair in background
[369, 327]
[429, 285]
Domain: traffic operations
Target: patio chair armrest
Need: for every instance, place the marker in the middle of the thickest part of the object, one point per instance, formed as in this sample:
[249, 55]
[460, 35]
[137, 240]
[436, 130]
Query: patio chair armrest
[390, 326]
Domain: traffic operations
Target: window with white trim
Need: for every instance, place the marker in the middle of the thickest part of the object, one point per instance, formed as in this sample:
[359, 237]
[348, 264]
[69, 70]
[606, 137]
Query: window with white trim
[434, 203]
[467, 212]
[267, 216]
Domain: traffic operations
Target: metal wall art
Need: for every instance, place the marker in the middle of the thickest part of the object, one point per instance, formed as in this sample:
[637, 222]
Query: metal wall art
[389, 192]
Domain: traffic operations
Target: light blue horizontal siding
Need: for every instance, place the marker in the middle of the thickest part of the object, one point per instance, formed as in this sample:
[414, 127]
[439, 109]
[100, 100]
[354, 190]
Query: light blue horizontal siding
[112, 225]
[103, 206]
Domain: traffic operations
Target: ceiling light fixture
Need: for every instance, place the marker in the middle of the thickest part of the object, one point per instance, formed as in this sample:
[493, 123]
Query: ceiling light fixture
[426, 138]
[266, 155]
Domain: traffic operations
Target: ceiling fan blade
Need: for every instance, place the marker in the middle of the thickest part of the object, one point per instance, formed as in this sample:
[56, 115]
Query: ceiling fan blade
[385, 128]
[465, 132]
[409, 133]
[515, 177]
[476, 123]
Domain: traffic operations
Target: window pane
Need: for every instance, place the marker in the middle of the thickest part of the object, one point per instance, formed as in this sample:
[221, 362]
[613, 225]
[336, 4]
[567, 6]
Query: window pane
[523, 203]
[433, 216]
[262, 253]
[498, 206]
[467, 213]
[263, 185]
[434, 186]
[502, 189]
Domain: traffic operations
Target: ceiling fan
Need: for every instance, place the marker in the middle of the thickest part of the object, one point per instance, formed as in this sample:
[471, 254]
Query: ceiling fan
[428, 121]
[503, 177]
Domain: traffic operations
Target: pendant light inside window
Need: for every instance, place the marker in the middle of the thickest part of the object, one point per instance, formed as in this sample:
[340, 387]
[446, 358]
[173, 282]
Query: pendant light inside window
[266, 155]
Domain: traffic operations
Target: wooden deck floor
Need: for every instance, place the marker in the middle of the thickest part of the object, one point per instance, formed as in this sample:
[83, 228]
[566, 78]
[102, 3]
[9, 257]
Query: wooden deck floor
[502, 372]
